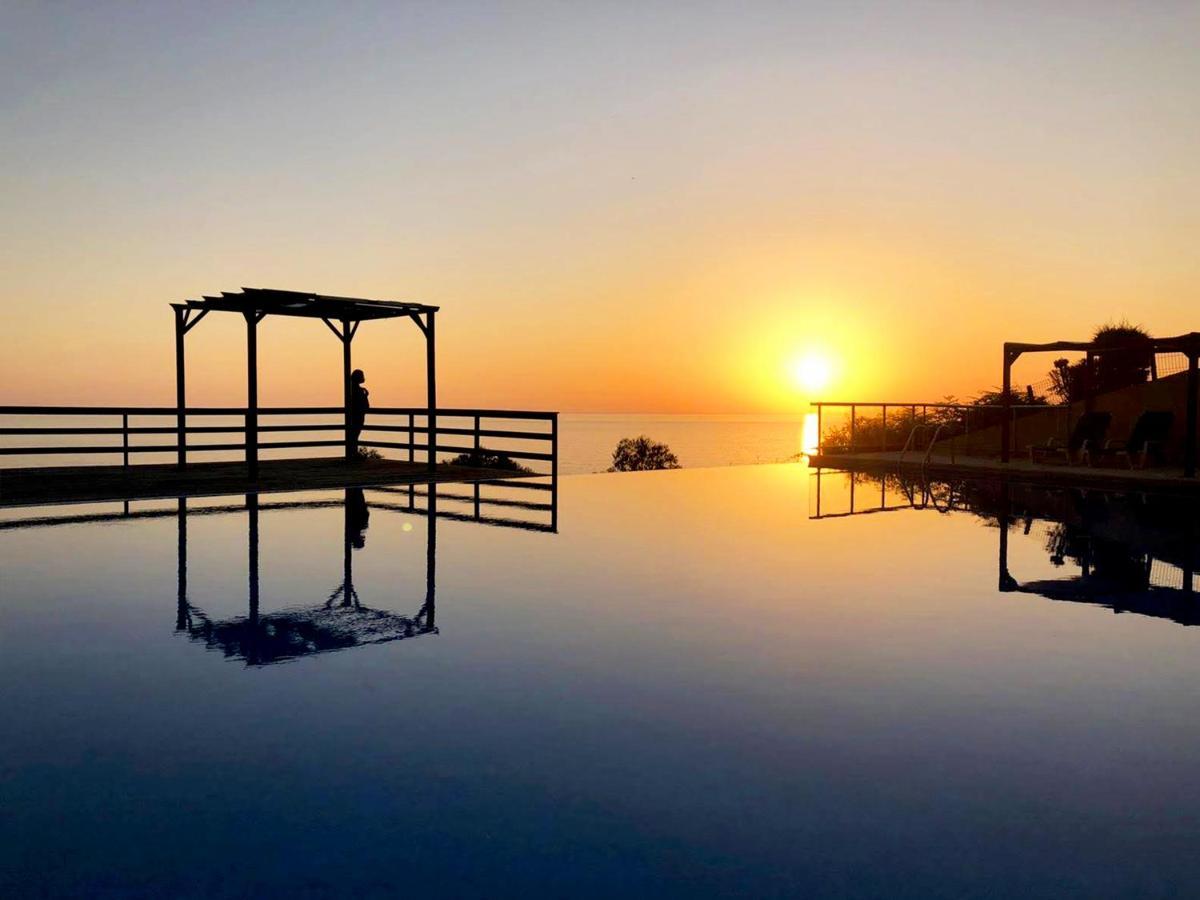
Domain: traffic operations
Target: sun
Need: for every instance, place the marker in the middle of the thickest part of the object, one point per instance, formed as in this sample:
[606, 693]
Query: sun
[812, 372]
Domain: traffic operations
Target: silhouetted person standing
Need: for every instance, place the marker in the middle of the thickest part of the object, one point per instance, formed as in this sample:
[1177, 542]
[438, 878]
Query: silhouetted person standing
[359, 404]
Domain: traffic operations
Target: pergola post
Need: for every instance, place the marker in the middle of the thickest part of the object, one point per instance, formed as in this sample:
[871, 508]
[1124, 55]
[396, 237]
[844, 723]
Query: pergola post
[1005, 582]
[252, 576]
[431, 389]
[180, 389]
[252, 394]
[1010, 357]
[181, 614]
[430, 607]
[347, 541]
[347, 390]
[1189, 439]
[1089, 392]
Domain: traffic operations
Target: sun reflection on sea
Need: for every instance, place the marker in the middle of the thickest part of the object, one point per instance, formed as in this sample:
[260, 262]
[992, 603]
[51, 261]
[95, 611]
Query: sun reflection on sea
[809, 436]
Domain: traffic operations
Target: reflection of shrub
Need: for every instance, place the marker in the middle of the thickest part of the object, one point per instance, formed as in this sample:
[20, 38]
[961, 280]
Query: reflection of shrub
[486, 459]
[640, 454]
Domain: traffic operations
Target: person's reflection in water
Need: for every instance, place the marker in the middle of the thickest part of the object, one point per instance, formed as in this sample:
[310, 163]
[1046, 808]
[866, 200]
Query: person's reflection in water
[358, 517]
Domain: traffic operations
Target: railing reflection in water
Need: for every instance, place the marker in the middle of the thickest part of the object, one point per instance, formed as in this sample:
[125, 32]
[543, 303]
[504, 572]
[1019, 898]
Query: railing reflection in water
[342, 620]
[1133, 552]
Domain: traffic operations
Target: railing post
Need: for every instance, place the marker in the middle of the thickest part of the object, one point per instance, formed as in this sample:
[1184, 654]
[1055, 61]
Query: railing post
[818, 429]
[852, 426]
[477, 446]
[411, 437]
[1192, 414]
[125, 440]
[883, 430]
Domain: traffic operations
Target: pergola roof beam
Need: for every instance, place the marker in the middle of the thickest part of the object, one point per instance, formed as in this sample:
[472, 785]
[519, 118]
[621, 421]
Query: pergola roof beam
[308, 305]
[1183, 343]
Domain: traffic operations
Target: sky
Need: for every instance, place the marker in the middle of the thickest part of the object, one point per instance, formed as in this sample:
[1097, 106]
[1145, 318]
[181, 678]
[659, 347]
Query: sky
[635, 207]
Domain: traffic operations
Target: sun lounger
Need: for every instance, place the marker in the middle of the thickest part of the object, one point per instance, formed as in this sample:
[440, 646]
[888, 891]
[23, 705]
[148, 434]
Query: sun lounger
[1148, 437]
[1088, 434]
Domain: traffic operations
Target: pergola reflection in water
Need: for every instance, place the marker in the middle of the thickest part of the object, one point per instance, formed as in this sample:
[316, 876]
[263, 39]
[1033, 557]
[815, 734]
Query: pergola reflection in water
[342, 621]
[1131, 552]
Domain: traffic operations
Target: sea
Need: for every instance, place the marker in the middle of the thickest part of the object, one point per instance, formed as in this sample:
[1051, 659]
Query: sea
[586, 440]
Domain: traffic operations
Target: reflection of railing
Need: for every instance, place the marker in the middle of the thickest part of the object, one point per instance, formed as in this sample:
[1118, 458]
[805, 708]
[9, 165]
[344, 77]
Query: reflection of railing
[926, 495]
[874, 434]
[481, 427]
[1135, 554]
[343, 620]
[410, 492]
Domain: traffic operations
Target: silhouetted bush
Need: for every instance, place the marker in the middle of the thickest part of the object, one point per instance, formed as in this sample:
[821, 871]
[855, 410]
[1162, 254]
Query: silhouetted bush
[1127, 364]
[368, 454]
[487, 459]
[641, 454]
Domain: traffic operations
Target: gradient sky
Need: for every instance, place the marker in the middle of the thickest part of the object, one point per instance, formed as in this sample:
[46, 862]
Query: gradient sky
[619, 206]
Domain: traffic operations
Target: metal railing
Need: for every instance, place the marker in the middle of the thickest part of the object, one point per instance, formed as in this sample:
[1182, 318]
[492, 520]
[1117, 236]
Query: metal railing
[879, 434]
[124, 426]
[937, 430]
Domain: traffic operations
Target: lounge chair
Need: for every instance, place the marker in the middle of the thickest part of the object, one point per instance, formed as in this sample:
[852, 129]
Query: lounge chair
[1149, 436]
[1087, 435]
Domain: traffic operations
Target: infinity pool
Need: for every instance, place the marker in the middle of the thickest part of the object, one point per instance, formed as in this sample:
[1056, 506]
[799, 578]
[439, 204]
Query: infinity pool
[702, 684]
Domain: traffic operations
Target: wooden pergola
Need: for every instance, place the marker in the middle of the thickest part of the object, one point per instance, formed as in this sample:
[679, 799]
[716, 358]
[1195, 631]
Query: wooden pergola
[342, 315]
[1187, 344]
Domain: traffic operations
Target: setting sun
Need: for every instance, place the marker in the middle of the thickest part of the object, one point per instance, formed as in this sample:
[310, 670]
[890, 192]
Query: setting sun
[812, 372]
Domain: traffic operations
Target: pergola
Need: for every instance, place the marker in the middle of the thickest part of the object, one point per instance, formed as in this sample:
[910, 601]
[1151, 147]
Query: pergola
[342, 315]
[1187, 344]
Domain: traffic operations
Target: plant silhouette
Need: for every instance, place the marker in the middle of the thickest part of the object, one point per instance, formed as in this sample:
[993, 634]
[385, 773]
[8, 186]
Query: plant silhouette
[641, 454]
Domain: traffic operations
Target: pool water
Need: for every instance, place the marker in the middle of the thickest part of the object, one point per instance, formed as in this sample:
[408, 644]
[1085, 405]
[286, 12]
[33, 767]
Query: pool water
[699, 685]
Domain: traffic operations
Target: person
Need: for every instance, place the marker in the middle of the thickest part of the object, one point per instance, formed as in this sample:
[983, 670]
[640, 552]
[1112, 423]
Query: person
[359, 404]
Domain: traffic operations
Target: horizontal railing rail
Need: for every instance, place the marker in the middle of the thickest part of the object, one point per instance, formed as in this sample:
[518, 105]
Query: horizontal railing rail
[457, 430]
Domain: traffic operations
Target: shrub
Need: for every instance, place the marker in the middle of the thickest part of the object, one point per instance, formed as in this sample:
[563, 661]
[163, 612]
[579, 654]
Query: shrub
[1111, 370]
[1130, 364]
[641, 454]
[487, 459]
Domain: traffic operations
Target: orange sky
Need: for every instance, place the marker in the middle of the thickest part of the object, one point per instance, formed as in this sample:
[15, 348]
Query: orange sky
[639, 210]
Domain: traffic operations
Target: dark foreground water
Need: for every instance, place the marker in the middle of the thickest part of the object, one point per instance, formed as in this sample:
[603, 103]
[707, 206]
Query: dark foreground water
[694, 689]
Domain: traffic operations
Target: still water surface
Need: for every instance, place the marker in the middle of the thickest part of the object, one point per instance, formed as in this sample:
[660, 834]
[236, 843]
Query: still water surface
[693, 689]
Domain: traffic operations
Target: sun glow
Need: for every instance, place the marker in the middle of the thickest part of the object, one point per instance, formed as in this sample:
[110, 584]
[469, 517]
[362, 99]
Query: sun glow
[812, 372]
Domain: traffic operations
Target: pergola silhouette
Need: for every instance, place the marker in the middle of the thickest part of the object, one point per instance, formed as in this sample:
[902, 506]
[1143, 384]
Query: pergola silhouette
[1187, 344]
[342, 315]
